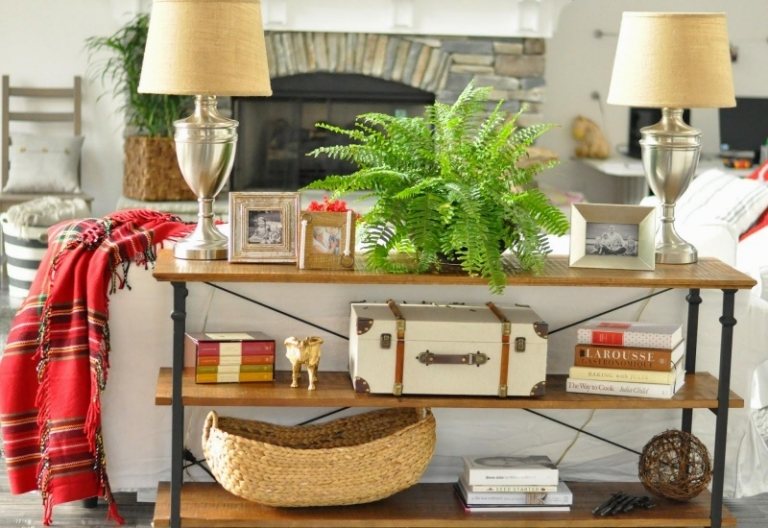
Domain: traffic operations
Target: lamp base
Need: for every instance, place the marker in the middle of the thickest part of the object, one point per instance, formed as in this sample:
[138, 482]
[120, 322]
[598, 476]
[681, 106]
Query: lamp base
[205, 149]
[670, 153]
[672, 253]
[205, 242]
[189, 249]
[186, 251]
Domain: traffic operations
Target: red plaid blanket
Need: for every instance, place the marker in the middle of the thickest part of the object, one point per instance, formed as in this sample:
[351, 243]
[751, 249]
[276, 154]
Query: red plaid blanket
[55, 362]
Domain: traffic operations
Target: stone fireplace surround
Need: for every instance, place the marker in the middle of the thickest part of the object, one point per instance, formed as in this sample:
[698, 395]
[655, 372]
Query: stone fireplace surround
[438, 65]
[513, 66]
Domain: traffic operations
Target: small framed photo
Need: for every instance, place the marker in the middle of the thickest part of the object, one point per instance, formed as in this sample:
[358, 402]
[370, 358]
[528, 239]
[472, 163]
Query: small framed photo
[263, 226]
[613, 236]
[327, 240]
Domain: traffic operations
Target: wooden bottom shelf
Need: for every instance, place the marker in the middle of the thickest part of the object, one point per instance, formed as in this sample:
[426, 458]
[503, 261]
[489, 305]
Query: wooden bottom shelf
[204, 505]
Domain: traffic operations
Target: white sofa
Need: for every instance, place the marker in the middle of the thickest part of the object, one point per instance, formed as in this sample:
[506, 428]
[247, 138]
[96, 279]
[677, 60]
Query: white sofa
[137, 433]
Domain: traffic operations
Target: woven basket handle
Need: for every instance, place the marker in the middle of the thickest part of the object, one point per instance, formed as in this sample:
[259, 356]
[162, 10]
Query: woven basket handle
[212, 420]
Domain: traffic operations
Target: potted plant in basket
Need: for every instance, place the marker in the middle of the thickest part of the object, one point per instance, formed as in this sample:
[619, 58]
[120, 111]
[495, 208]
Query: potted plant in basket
[450, 187]
[151, 169]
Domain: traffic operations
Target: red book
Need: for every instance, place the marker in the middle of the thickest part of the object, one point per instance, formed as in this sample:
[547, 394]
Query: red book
[630, 334]
[234, 346]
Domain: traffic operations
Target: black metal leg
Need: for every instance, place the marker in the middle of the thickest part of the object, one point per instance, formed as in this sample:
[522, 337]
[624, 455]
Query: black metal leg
[728, 321]
[179, 316]
[691, 342]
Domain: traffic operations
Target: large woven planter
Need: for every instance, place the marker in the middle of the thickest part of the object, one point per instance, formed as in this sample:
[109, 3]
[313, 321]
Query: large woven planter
[152, 172]
[352, 460]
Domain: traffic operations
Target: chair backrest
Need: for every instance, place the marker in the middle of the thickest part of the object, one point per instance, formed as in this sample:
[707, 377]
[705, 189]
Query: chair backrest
[37, 94]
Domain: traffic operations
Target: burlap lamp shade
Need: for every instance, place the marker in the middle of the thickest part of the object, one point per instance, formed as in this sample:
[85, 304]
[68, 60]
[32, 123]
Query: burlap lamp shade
[205, 47]
[674, 60]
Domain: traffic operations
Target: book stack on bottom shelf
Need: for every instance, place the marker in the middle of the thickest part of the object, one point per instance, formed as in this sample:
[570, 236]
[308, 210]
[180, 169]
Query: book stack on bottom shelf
[644, 360]
[226, 357]
[512, 484]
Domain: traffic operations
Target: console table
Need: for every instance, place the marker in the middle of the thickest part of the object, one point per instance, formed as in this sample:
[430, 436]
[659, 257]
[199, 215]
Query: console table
[435, 505]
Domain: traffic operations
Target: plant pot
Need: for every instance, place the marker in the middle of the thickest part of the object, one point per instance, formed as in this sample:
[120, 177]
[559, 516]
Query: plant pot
[152, 172]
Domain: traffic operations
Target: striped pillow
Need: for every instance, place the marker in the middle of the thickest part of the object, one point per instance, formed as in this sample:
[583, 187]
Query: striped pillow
[717, 196]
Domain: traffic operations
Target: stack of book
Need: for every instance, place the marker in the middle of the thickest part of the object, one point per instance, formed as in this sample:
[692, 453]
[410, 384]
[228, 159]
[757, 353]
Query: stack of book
[226, 357]
[511, 484]
[646, 360]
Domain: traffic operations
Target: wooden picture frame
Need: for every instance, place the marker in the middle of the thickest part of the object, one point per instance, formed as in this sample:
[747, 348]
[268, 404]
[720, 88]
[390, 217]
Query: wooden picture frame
[613, 236]
[327, 240]
[263, 226]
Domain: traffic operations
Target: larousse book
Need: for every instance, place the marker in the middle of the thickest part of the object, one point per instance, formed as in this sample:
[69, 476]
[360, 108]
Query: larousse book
[510, 470]
[630, 334]
[626, 388]
[635, 376]
[635, 358]
[562, 496]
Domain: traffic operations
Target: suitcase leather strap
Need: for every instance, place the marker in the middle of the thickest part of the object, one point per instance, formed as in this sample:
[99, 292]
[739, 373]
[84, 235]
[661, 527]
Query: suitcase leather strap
[506, 329]
[397, 389]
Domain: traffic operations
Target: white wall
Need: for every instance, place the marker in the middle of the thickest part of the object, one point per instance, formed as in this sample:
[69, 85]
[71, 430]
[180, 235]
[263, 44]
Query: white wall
[42, 43]
[579, 64]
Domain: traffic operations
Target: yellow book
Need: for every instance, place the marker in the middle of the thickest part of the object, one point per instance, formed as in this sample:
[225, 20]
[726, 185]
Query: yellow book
[628, 375]
[232, 377]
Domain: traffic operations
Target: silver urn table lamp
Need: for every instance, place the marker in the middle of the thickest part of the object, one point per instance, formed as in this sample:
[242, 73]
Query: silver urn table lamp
[205, 48]
[672, 61]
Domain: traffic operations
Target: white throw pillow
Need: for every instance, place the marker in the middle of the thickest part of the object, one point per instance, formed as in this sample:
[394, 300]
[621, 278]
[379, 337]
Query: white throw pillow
[716, 196]
[40, 164]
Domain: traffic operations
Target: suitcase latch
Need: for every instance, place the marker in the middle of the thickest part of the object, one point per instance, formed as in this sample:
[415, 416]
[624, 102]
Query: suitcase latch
[519, 344]
[385, 340]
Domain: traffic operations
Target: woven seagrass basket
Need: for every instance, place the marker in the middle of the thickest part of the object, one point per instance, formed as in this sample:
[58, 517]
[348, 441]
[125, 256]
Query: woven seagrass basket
[351, 460]
[151, 171]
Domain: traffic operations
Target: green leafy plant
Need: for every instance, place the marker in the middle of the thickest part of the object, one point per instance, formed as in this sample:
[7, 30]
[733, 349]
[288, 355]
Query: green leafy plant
[151, 114]
[449, 188]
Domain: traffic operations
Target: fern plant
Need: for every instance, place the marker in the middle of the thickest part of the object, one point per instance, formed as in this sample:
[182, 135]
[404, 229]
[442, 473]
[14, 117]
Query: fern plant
[152, 114]
[448, 189]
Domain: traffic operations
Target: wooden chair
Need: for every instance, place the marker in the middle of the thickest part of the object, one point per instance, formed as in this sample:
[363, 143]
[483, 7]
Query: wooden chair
[43, 117]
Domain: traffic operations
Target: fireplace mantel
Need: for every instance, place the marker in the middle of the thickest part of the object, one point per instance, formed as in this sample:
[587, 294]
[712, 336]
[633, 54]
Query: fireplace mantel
[481, 18]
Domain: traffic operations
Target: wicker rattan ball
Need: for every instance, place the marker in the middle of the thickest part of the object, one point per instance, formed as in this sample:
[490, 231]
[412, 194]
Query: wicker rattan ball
[675, 465]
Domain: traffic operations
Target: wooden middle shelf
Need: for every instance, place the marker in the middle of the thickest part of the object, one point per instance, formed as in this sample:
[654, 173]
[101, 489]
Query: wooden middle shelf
[427, 505]
[334, 389]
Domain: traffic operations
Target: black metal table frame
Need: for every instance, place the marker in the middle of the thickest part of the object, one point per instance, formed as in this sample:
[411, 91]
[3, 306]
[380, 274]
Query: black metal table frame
[727, 322]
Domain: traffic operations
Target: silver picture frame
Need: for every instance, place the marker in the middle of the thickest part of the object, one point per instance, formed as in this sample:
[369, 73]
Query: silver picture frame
[612, 236]
[263, 226]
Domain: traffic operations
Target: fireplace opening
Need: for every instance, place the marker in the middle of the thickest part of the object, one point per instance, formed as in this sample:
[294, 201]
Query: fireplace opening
[277, 132]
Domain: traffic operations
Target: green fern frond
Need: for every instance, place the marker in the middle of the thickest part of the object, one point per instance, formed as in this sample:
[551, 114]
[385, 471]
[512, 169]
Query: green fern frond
[448, 186]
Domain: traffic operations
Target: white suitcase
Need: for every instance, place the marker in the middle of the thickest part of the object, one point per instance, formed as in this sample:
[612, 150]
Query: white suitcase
[447, 349]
